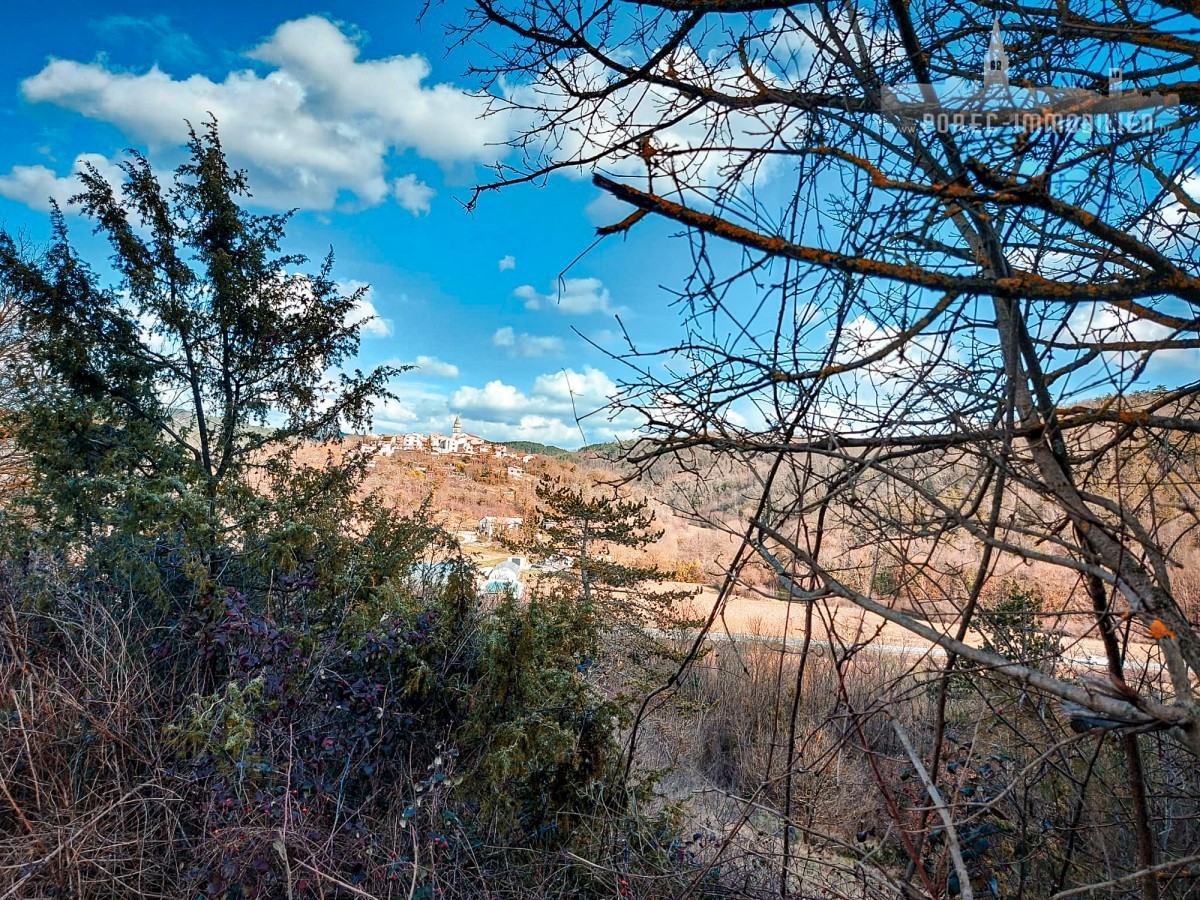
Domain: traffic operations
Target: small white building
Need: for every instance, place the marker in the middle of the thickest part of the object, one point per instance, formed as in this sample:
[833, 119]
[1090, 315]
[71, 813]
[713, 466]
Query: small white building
[490, 526]
[516, 473]
[415, 442]
[504, 578]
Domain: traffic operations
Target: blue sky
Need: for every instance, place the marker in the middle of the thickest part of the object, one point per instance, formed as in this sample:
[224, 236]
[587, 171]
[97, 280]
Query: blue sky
[354, 114]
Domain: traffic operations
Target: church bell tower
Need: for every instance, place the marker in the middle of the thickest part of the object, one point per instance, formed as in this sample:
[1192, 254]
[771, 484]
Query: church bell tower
[995, 64]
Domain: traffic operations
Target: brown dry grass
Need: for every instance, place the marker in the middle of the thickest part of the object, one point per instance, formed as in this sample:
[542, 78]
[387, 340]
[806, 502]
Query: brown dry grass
[87, 806]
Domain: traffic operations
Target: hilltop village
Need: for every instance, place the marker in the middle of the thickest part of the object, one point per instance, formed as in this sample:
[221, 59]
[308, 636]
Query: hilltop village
[455, 443]
[481, 491]
[477, 488]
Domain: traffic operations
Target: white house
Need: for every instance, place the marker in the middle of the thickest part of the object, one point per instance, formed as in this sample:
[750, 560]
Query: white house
[556, 564]
[490, 526]
[415, 442]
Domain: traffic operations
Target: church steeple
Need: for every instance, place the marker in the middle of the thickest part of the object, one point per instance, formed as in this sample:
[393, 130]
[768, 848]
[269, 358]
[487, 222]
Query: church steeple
[457, 431]
[995, 65]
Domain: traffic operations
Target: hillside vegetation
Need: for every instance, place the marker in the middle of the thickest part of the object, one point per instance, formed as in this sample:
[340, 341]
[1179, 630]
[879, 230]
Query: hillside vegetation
[240, 658]
[244, 655]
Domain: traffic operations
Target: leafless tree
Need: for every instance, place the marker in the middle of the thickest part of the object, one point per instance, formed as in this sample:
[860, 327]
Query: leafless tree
[944, 305]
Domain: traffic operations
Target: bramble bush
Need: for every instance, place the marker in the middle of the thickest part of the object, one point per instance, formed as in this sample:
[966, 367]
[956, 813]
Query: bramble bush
[447, 746]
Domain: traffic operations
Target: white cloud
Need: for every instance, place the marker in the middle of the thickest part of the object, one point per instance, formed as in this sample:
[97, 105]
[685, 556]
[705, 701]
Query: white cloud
[591, 389]
[605, 209]
[543, 429]
[394, 415]
[431, 365]
[503, 412]
[412, 194]
[572, 295]
[494, 402]
[584, 122]
[551, 394]
[156, 33]
[797, 43]
[417, 408]
[507, 263]
[546, 413]
[317, 125]
[1175, 223]
[1102, 322]
[695, 143]
[374, 325]
[890, 378]
[526, 345]
[36, 186]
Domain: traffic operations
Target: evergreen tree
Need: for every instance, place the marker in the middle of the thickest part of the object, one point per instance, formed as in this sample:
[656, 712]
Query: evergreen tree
[165, 408]
[619, 599]
[548, 707]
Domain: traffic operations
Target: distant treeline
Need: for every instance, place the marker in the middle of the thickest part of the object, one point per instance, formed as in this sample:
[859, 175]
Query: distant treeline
[535, 447]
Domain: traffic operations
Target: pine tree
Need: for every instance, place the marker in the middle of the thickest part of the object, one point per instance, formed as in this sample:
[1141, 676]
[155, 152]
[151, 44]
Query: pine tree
[620, 602]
